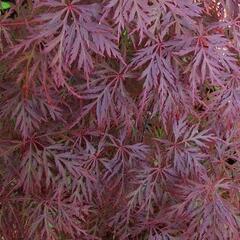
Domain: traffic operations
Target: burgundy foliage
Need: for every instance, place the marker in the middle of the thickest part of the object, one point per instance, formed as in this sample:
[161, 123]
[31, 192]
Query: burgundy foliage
[119, 119]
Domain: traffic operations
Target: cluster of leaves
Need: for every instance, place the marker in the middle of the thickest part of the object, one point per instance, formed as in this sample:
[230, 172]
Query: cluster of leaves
[119, 119]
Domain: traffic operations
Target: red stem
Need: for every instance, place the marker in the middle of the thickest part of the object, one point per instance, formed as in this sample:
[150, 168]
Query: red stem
[19, 22]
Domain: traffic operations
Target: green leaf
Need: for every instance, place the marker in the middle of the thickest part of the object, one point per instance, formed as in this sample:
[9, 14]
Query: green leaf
[5, 5]
[159, 132]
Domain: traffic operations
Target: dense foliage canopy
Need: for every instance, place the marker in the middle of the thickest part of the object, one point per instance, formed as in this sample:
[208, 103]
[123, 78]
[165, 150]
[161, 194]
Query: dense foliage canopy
[119, 119]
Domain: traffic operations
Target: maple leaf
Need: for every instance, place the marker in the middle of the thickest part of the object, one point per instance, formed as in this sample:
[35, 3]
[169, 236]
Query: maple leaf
[126, 156]
[150, 192]
[167, 14]
[156, 60]
[27, 114]
[109, 97]
[226, 100]
[54, 215]
[210, 52]
[127, 11]
[206, 206]
[184, 147]
[75, 35]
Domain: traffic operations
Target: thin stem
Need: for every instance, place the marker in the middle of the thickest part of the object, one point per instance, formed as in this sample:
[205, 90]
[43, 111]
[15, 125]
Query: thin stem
[19, 22]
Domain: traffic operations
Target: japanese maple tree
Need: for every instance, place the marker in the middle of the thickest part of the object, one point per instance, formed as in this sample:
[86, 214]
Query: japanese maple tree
[119, 119]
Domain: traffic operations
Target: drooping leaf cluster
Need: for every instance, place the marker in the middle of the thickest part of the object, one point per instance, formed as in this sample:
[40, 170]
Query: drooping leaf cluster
[119, 119]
